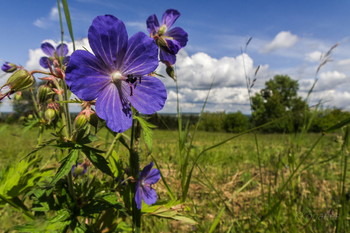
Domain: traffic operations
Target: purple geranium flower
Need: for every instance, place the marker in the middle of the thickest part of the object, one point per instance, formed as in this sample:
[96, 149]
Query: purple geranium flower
[144, 190]
[117, 74]
[170, 41]
[60, 53]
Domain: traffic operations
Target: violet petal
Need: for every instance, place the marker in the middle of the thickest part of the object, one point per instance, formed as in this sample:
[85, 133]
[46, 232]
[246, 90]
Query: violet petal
[167, 57]
[149, 95]
[48, 49]
[152, 24]
[169, 17]
[179, 35]
[45, 62]
[149, 195]
[62, 50]
[152, 177]
[85, 75]
[141, 56]
[108, 40]
[113, 107]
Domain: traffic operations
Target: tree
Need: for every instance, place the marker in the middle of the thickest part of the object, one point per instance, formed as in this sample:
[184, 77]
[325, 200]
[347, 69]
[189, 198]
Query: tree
[279, 102]
[236, 122]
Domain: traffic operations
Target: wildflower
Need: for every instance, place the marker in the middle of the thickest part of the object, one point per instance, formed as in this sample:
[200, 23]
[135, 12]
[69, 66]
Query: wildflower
[8, 67]
[170, 41]
[144, 190]
[80, 169]
[117, 74]
[59, 54]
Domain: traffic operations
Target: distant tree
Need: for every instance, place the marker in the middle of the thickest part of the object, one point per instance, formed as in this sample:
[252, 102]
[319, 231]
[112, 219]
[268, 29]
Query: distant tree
[212, 122]
[236, 122]
[279, 99]
[326, 118]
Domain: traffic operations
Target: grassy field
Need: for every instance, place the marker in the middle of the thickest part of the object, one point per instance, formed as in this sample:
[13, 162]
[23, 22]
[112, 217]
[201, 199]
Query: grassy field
[271, 183]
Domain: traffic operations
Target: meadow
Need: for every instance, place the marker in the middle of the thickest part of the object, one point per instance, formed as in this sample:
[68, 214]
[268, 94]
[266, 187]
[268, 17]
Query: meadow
[251, 183]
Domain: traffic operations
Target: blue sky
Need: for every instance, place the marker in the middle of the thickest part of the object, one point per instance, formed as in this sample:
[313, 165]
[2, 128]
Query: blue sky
[288, 38]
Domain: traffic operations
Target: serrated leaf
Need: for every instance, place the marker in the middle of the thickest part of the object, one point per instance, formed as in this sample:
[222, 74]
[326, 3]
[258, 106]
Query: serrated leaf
[97, 160]
[146, 131]
[66, 165]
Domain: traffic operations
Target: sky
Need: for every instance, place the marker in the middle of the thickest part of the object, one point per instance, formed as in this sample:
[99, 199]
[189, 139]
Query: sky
[288, 38]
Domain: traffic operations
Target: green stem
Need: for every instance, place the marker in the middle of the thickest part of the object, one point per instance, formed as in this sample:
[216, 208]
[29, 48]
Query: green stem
[135, 170]
[111, 147]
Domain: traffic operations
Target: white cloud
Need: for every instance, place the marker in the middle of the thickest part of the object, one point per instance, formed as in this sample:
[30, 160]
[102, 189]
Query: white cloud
[36, 54]
[282, 40]
[54, 14]
[196, 72]
[313, 56]
[330, 80]
[40, 23]
[47, 21]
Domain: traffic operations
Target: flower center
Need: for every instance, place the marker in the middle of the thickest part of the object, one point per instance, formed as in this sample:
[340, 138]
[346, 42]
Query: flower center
[162, 30]
[116, 77]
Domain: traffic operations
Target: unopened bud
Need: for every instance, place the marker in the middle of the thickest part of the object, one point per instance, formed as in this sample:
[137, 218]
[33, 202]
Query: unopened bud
[18, 96]
[43, 92]
[93, 119]
[80, 121]
[8, 67]
[50, 114]
[171, 72]
[20, 80]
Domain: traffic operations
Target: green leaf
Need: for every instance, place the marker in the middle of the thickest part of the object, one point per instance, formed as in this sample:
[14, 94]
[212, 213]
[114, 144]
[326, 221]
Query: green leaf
[68, 20]
[97, 160]
[338, 125]
[147, 131]
[66, 165]
[217, 220]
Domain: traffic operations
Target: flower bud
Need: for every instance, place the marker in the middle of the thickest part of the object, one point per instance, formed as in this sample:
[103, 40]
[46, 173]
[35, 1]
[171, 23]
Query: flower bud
[18, 96]
[171, 72]
[50, 115]
[93, 119]
[43, 93]
[20, 80]
[8, 67]
[80, 121]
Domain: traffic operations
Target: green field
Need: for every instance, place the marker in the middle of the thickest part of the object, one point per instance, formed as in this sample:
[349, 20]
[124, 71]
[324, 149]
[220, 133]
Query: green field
[244, 185]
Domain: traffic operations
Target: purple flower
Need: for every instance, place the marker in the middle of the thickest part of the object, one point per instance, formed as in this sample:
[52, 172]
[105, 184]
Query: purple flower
[60, 54]
[144, 190]
[170, 41]
[117, 74]
[80, 169]
[8, 67]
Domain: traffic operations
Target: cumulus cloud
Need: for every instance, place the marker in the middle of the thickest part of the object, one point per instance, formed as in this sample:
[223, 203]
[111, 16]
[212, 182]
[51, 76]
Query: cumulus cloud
[47, 21]
[197, 71]
[282, 40]
[314, 56]
[36, 54]
[330, 80]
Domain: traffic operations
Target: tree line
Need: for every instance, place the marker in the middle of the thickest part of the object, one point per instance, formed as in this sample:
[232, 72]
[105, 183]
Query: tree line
[277, 108]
